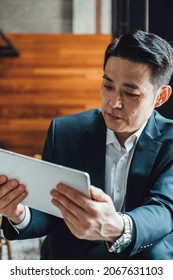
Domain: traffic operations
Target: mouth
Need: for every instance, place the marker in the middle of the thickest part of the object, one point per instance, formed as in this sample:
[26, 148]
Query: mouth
[115, 117]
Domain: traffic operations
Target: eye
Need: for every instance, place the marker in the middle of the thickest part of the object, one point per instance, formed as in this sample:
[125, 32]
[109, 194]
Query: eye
[132, 95]
[107, 87]
[128, 93]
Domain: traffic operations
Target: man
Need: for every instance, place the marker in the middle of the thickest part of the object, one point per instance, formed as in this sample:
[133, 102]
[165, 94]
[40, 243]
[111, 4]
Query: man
[127, 148]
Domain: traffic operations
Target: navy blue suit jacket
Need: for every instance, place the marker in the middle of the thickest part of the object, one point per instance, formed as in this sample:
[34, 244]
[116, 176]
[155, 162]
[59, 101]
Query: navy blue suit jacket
[79, 141]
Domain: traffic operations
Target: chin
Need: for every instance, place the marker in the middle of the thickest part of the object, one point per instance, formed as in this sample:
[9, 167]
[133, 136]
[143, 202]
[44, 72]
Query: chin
[114, 128]
[115, 125]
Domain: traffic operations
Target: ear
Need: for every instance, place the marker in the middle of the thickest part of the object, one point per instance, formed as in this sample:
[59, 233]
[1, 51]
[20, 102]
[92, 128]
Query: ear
[165, 93]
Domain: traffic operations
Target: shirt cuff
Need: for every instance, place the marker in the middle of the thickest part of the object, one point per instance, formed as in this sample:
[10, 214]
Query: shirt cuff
[24, 223]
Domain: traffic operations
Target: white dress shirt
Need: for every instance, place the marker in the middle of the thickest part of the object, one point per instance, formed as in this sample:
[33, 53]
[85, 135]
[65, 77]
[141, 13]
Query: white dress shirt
[118, 161]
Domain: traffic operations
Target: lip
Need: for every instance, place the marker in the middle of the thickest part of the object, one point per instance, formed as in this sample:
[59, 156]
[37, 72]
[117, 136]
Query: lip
[114, 116]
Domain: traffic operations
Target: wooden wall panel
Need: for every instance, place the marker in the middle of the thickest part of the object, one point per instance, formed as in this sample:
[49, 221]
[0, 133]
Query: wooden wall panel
[55, 75]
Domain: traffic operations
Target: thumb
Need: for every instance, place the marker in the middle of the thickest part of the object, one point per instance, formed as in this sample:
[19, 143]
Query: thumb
[98, 195]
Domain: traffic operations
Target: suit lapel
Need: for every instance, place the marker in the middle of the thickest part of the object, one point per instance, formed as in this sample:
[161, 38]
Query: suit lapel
[93, 152]
[93, 156]
[144, 157]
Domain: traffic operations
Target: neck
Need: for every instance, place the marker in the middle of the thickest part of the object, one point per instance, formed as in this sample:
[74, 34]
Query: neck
[122, 137]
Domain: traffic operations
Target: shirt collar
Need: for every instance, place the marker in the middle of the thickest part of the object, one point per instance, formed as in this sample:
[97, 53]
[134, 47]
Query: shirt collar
[132, 140]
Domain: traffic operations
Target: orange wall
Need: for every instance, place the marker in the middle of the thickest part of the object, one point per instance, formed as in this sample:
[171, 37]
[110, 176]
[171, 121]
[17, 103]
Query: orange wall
[54, 75]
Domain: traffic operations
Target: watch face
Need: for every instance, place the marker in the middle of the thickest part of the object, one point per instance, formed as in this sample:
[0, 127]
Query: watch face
[122, 247]
[123, 243]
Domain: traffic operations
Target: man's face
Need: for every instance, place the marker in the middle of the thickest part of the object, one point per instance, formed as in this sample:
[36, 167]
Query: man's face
[127, 95]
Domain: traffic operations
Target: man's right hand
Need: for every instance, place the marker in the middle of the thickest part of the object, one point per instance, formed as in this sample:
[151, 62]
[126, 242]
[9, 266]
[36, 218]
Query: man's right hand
[12, 194]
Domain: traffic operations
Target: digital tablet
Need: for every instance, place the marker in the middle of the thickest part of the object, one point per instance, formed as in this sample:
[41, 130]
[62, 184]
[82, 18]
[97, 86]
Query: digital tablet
[40, 177]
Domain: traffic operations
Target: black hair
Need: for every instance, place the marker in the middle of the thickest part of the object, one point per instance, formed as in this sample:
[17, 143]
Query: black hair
[147, 48]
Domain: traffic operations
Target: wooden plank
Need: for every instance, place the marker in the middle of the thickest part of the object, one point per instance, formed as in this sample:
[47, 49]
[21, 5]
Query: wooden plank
[55, 75]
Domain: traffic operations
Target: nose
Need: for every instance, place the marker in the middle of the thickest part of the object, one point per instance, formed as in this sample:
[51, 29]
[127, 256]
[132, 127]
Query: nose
[116, 101]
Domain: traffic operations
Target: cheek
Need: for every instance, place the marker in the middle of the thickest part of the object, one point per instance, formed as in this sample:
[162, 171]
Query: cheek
[104, 98]
[138, 116]
[131, 109]
[133, 114]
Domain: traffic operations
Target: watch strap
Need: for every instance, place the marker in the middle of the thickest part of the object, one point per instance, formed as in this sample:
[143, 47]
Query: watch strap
[124, 240]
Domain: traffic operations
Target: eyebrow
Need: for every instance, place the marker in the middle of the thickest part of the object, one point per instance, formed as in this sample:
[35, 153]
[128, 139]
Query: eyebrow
[130, 85]
[107, 78]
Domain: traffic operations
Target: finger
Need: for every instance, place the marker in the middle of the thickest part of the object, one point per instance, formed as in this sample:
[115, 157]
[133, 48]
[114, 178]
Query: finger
[77, 221]
[80, 199]
[67, 206]
[67, 215]
[12, 208]
[11, 196]
[79, 205]
[9, 186]
[98, 195]
[73, 227]
[3, 179]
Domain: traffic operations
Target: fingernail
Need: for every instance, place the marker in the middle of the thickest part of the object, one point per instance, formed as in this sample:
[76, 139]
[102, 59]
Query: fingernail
[14, 183]
[21, 188]
[24, 194]
[59, 187]
[2, 179]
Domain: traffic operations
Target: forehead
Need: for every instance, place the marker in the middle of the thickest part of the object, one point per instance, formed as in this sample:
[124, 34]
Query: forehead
[124, 70]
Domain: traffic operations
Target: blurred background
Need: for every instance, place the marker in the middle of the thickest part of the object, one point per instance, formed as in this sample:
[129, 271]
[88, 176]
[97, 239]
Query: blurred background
[51, 56]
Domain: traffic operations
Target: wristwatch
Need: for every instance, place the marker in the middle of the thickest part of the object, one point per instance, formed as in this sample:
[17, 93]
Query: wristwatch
[124, 240]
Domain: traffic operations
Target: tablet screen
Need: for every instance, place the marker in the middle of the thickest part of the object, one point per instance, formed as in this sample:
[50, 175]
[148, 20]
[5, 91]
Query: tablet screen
[40, 177]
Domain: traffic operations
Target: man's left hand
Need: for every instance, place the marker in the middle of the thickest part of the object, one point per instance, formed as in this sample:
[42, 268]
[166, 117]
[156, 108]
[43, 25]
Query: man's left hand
[91, 218]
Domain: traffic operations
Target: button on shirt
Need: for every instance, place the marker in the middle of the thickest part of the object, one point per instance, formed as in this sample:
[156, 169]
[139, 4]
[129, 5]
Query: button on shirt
[118, 161]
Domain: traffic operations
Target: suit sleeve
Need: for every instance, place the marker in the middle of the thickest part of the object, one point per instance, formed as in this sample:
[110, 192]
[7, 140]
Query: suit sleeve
[41, 223]
[153, 220]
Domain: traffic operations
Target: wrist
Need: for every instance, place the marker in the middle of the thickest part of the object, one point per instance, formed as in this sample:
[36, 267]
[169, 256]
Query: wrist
[125, 239]
[118, 230]
[18, 218]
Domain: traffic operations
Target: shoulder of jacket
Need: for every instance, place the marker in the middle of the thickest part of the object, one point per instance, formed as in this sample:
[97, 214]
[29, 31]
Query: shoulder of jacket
[85, 117]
